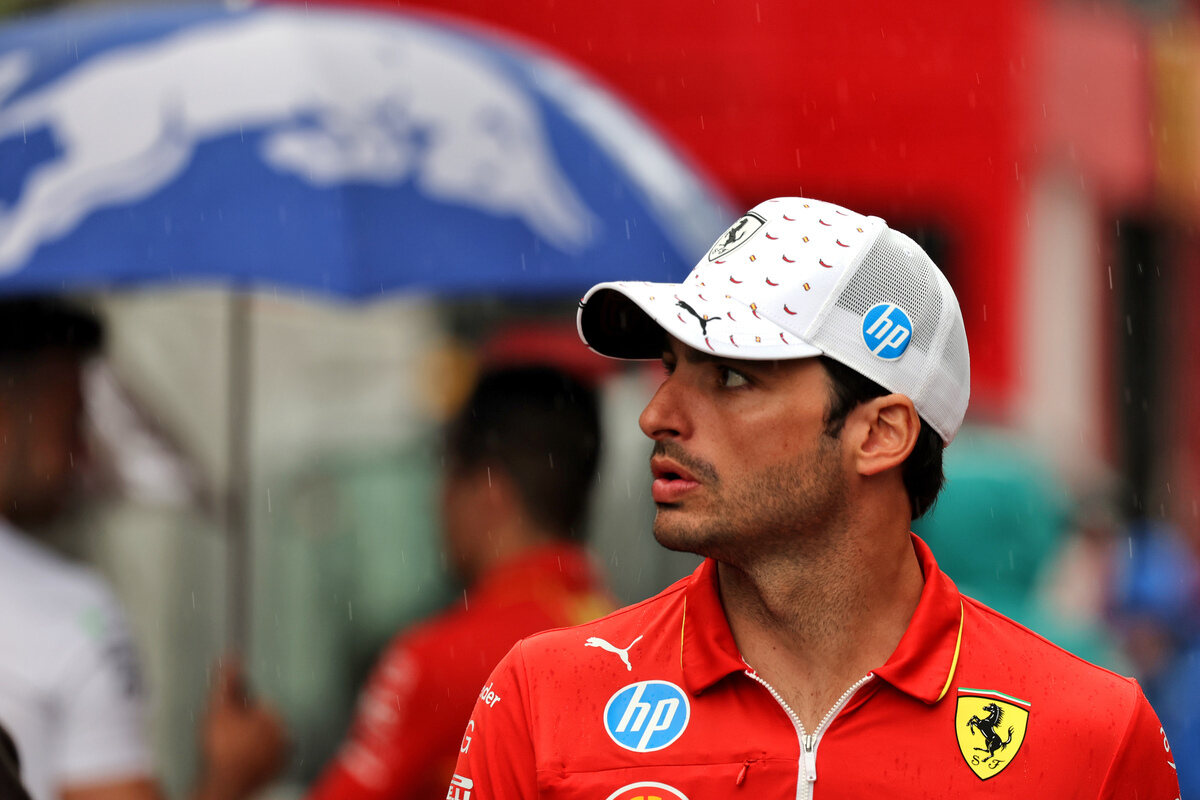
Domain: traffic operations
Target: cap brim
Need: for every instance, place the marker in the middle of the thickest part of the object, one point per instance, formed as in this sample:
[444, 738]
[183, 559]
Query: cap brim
[625, 319]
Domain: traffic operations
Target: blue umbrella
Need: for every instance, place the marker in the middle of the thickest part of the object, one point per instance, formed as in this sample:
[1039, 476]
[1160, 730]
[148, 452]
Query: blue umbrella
[336, 152]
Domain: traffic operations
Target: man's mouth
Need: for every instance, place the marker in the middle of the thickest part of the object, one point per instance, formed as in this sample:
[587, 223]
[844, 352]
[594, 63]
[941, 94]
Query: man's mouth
[671, 481]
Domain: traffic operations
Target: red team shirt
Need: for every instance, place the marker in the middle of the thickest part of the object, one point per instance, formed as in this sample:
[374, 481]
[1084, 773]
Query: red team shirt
[654, 701]
[409, 723]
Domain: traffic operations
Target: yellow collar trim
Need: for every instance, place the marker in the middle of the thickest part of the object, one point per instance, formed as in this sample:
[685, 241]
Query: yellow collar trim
[682, 627]
[957, 647]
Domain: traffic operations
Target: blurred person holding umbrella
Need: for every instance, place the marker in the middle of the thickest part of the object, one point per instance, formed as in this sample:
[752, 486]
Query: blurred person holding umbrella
[71, 692]
[520, 461]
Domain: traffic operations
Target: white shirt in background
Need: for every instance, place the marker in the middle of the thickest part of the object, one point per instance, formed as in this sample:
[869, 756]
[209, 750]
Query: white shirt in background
[70, 687]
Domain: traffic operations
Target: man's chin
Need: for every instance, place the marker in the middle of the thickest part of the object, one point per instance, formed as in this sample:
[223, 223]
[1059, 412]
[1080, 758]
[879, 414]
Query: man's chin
[680, 535]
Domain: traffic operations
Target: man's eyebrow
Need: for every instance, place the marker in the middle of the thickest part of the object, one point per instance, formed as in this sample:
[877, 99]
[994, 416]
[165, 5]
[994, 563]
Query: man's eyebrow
[687, 353]
[693, 356]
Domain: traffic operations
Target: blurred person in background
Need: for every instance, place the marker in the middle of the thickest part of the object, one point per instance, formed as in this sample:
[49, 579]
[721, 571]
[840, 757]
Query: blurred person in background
[11, 787]
[1019, 513]
[1155, 607]
[520, 461]
[71, 692]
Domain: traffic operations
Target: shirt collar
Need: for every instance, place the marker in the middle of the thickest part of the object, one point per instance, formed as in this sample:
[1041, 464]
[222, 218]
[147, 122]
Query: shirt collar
[921, 666]
[707, 650]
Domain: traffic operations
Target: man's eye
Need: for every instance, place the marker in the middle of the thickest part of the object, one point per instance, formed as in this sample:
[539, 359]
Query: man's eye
[731, 379]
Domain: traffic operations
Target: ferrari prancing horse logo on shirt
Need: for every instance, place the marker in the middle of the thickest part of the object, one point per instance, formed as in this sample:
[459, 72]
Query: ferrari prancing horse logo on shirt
[990, 727]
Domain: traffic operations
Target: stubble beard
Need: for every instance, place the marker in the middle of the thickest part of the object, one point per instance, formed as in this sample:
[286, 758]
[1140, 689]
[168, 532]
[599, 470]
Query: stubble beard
[791, 508]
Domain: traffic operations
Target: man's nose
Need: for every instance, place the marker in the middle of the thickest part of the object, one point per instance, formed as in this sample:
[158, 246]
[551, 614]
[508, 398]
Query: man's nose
[665, 416]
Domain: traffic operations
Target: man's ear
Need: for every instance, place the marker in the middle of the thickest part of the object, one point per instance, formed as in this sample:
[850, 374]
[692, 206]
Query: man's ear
[886, 429]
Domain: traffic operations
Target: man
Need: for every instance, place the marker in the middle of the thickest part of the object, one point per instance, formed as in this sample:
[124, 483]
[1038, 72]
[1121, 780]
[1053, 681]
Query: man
[815, 365]
[70, 690]
[520, 458]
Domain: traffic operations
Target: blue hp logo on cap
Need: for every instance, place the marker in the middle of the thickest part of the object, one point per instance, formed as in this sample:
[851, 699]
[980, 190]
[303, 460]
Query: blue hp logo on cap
[887, 330]
[647, 715]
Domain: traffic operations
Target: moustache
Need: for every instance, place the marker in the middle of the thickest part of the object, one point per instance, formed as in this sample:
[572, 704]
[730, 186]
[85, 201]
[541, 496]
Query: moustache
[699, 468]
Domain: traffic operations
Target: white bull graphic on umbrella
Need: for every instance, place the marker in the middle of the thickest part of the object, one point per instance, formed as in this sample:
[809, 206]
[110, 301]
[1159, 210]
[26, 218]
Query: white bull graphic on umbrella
[369, 103]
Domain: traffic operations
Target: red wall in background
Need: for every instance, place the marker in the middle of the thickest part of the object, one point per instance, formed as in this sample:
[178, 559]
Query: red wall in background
[917, 112]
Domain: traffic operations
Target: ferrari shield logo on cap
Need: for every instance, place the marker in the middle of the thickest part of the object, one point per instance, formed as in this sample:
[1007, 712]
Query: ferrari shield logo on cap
[990, 727]
[736, 235]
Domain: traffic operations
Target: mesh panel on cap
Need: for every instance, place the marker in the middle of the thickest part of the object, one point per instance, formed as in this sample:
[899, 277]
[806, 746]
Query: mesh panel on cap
[957, 361]
[895, 270]
[948, 386]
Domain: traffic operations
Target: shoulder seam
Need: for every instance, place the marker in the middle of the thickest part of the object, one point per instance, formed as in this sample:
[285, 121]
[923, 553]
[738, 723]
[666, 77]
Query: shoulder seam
[1124, 679]
[679, 586]
[1133, 712]
[526, 703]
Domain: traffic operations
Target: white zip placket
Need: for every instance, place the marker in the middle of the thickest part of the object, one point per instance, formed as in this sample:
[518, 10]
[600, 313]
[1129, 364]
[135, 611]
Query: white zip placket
[807, 776]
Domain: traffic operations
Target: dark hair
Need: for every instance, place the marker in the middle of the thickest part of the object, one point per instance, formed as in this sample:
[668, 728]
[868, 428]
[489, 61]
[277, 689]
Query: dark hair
[922, 470]
[33, 324]
[542, 428]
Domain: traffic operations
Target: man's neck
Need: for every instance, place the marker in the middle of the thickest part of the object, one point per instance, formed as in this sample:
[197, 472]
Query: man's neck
[813, 622]
[505, 543]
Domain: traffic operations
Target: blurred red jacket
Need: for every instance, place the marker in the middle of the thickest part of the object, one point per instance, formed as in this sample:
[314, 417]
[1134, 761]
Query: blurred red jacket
[408, 728]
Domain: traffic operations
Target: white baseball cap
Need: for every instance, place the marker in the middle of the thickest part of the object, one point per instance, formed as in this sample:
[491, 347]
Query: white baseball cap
[795, 278]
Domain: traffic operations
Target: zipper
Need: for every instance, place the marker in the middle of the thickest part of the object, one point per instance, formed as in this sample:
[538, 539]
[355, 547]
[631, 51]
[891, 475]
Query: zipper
[809, 743]
[741, 777]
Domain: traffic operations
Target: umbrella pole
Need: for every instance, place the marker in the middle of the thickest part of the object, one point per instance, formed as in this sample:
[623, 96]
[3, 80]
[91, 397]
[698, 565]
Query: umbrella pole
[238, 450]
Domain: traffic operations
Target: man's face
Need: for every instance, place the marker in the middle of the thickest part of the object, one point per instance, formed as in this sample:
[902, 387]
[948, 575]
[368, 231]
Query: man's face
[741, 462]
[43, 445]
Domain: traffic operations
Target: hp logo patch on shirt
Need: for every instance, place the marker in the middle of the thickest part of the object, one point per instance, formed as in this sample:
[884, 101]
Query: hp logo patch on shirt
[887, 330]
[647, 715]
